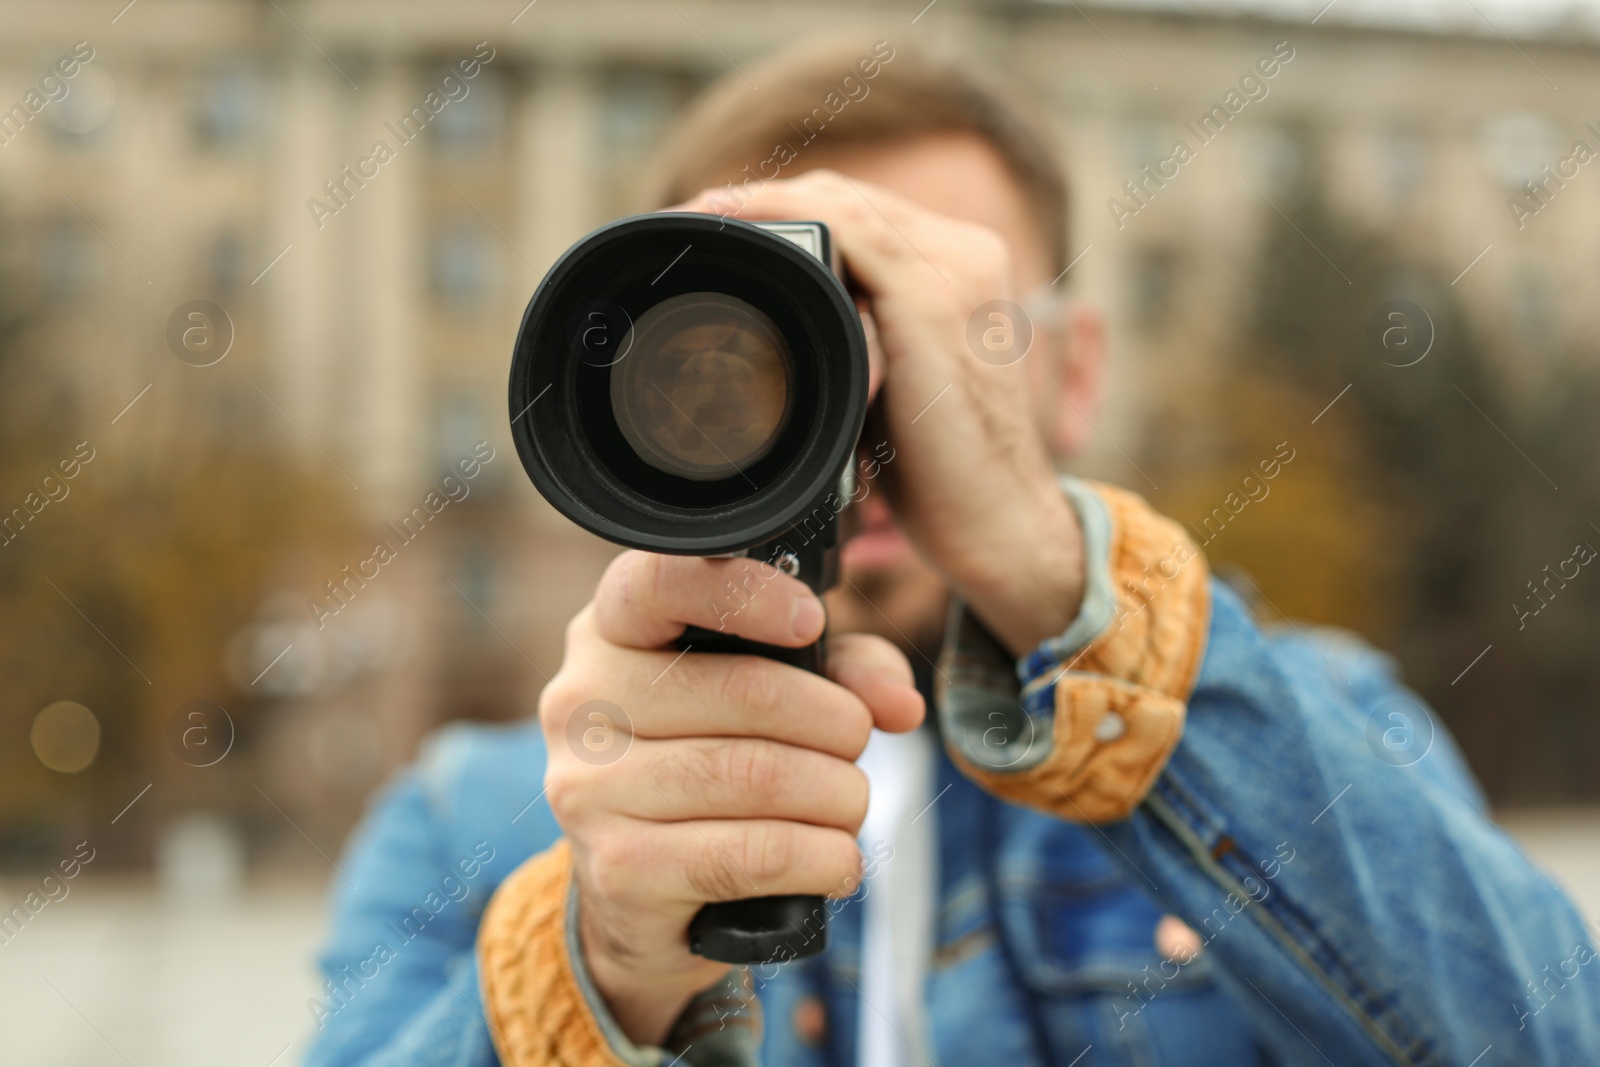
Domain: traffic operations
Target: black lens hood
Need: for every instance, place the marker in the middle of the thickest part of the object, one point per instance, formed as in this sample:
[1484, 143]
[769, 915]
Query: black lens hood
[574, 331]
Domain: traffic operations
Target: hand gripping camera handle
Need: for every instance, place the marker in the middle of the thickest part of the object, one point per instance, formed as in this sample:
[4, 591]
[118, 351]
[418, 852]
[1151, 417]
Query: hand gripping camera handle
[769, 929]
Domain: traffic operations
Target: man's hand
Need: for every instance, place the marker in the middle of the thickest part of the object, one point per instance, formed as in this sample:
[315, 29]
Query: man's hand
[737, 778]
[972, 483]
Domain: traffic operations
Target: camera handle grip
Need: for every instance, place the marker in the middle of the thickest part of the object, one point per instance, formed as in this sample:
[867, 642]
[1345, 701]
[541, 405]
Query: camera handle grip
[771, 929]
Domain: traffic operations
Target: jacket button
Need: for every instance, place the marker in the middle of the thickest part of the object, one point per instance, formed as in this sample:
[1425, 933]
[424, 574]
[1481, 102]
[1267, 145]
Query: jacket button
[1110, 727]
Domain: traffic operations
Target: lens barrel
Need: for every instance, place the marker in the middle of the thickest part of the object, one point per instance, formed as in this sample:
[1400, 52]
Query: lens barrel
[689, 384]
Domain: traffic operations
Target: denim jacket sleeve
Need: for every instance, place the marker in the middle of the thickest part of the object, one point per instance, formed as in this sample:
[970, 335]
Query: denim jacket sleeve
[1313, 823]
[400, 978]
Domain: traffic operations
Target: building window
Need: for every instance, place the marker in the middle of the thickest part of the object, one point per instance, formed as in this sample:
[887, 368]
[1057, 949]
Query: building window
[1402, 164]
[461, 266]
[461, 425]
[478, 582]
[1517, 146]
[472, 121]
[1276, 156]
[638, 105]
[1145, 141]
[1154, 280]
[225, 264]
[228, 110]
[1532, 309]
[68, 262]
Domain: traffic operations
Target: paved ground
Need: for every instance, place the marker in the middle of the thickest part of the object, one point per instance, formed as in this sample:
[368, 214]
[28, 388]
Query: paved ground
[141, 981]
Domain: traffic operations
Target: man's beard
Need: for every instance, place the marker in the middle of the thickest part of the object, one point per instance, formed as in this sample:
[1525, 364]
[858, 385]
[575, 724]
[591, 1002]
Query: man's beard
[905, 603]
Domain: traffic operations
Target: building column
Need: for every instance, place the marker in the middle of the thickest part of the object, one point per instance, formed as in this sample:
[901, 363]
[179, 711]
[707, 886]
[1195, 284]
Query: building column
[557, 164]
[392, 425]
[299, 301]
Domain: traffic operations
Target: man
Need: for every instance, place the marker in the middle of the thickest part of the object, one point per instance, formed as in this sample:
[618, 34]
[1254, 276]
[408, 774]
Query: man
[1138, 830]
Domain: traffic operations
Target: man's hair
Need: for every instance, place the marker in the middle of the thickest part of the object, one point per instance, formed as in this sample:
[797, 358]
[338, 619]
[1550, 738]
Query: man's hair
[834, 96]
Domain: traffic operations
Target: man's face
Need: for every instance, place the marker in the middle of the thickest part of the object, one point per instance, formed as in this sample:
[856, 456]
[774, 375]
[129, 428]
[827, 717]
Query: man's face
[888, 588]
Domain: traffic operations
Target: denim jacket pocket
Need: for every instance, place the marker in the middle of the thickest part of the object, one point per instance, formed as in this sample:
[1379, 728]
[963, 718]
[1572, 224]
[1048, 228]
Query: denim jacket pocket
[1087, 930]
[1081, 935]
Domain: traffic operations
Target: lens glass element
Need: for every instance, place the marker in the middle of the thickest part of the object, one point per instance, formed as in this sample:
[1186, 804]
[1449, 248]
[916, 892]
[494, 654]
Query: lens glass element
[706, 387]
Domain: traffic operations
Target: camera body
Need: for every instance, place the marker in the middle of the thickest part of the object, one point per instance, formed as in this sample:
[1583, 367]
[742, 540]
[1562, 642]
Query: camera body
[696, 385]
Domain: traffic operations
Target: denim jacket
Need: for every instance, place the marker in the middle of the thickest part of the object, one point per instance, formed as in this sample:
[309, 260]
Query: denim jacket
[1314, 824]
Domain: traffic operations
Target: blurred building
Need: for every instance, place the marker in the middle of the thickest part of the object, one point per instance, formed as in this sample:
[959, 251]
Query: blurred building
[227, 152]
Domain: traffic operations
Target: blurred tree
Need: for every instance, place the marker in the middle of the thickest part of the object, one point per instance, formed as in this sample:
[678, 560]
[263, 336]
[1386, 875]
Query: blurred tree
[1422, 502]
[122, 594]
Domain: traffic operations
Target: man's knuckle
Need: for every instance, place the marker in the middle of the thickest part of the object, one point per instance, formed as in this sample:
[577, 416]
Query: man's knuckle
[557, 699]
[768, 851]
[822, 178]
[612, 864]
[614, 579]
[750, 684]
[993, 247]
[856, 793]
[857, 720]
[715, 875]
[884, 241]
[660, 579]
[844, 859]
[577, 629]
[750, 767]
[687, 768]
[986, 255]
[636, 580]
[566, 793]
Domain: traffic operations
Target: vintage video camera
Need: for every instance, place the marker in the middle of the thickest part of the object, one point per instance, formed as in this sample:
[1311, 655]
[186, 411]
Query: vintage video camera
[707, 384]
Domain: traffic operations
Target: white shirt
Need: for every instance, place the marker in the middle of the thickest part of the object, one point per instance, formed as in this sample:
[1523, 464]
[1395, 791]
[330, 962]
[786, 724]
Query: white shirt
[897, 928]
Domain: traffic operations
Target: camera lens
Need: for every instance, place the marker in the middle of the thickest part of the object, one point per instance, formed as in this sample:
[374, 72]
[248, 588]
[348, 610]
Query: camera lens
[705, 387]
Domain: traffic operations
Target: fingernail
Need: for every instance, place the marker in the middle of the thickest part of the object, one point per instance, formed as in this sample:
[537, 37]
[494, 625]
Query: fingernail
[806, 617]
